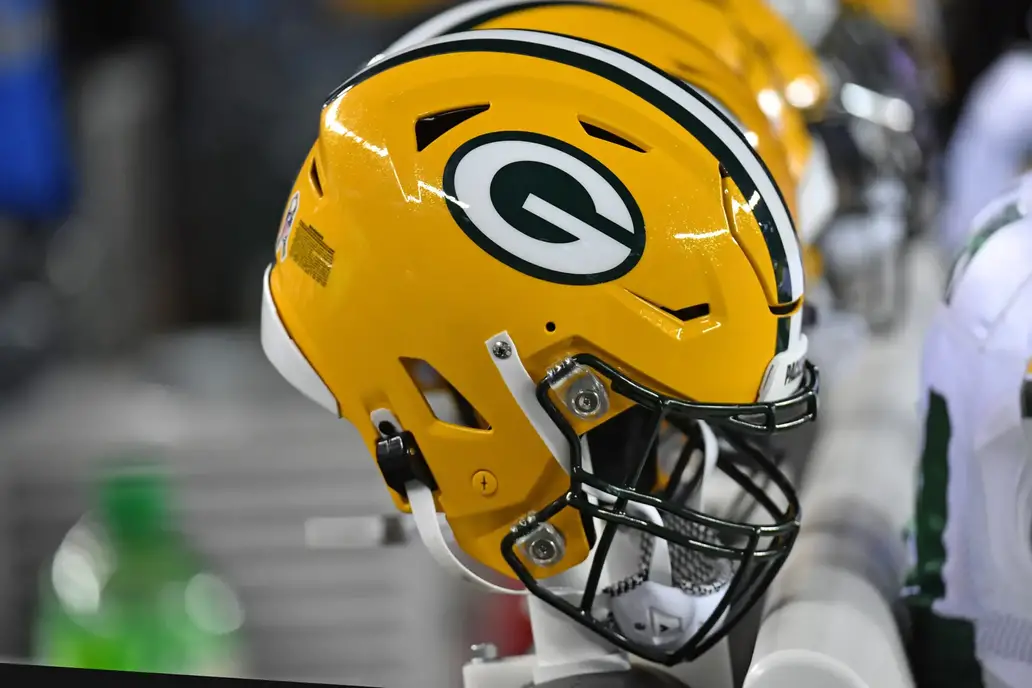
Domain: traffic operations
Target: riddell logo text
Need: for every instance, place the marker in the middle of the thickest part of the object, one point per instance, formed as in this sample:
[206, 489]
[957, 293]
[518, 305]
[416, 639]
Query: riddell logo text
[794, 372]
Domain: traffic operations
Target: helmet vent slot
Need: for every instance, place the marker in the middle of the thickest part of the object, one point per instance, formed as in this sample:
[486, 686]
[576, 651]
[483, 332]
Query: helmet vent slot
[442, 398]
[313, 175]
[598, 132]
[699, 310]
[432, 127]
[785, 309]
[686, 314]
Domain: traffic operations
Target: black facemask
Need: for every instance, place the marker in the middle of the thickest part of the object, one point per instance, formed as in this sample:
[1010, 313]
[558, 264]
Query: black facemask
[707, 553]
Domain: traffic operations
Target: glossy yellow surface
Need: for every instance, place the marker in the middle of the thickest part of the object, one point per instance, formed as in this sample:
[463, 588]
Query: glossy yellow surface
[407, 283]
[664, 47]
[795, 70]
[755, 42]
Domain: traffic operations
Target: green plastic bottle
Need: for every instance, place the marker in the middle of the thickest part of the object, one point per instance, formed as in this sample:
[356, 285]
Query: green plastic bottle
[125, 591]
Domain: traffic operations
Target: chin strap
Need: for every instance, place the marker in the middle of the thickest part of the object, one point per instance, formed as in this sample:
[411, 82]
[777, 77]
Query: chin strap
[709, 452]
[431, 532]
[660, 565]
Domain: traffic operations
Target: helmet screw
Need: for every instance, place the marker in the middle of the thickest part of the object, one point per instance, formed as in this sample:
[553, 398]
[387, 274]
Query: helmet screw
[544, 546]
[543, 550]
[501, 349]
[584, 394]
[586, 402]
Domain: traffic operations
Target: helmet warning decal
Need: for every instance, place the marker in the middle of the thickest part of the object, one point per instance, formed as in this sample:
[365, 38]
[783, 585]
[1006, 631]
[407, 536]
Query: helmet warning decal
[544, 208]
[311, 253]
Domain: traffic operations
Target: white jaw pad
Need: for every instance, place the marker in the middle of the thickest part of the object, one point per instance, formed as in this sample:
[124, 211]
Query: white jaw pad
[286, 358]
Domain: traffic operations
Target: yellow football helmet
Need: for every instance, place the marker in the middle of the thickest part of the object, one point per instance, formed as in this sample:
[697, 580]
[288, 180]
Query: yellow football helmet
[583, 248]
[686, 36]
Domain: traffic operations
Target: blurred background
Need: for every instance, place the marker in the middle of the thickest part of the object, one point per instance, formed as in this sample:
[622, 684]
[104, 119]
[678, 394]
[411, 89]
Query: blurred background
[146, 148]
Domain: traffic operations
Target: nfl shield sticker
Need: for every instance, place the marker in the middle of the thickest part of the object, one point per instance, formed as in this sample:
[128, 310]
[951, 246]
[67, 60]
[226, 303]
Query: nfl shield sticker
[288, 225]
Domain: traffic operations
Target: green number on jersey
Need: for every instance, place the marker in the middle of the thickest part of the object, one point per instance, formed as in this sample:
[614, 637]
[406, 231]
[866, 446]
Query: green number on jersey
[931, 509]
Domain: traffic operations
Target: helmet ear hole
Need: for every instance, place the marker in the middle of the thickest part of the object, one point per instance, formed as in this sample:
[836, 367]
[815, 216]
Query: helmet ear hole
[313, 176]
[442, 398]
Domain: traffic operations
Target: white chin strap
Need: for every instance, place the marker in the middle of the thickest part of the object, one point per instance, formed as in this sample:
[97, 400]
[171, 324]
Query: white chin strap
[709, 454]
[431, 532]
[660, 568]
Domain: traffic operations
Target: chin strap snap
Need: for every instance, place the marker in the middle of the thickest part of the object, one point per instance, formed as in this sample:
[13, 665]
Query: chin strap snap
[407, 473]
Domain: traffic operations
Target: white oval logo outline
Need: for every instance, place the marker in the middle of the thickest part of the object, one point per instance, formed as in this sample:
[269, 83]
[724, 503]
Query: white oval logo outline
[603, 248]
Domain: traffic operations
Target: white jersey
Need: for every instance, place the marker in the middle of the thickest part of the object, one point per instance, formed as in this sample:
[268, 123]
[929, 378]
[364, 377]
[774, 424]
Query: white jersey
[973, 523]
[990, 145]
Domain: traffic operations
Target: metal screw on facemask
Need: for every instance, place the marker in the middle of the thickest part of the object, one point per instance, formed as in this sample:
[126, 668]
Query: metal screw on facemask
[585, 395]
[542, 551]
[501, 349]
[544, 546]
[586, 403]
